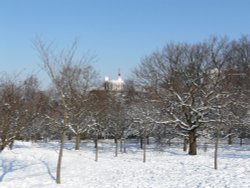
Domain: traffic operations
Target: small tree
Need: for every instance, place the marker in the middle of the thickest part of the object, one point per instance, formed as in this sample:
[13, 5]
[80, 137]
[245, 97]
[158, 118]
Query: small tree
[145, 113]
[63, 69]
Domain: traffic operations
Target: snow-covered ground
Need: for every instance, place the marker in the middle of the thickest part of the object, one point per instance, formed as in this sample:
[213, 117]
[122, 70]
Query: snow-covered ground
[33, 165]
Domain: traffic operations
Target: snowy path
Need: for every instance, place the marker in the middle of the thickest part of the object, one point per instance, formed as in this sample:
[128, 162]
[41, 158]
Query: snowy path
[33, 165]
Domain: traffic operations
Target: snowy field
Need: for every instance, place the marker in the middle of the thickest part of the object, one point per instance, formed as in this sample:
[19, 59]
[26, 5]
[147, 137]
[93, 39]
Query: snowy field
[33, 165]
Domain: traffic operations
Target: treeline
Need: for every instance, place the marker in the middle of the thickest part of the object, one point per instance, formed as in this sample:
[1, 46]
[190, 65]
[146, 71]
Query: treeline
[182, 91]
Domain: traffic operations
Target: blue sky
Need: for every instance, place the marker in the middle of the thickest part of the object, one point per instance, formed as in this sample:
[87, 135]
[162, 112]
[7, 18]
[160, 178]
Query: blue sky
[119, 32]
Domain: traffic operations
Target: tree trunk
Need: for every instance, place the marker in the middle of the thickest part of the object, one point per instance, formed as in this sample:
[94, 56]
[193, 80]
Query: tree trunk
[216, 148]
[3, 144]
[241, 141]
[124, 145]
[116, 147]
[144, 149]
[230, 141]
[97, 149]
[148, 140]
[169, 142]
[121, 147]
[78, 141]
[59, 161]
[95, 143]
[185, 144]
[69, 136]
[192, 142]
[141, 142]
[11, 144]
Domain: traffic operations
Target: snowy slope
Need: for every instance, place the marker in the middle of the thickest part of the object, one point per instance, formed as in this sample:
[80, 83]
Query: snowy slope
[33, 165]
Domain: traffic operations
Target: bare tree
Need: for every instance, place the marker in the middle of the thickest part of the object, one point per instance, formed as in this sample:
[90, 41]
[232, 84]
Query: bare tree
[64, 69]
[189, 79]
[37, 102]
[78, 82]
[18, 110]
[11, 102]
[145, 113]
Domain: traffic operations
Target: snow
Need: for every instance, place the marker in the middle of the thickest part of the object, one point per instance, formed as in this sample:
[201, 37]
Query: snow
[33, 165]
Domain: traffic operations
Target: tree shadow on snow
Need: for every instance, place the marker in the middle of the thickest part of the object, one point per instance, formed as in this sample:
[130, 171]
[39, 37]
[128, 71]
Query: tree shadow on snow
[8, 167]
[48, 169]
[235, 156]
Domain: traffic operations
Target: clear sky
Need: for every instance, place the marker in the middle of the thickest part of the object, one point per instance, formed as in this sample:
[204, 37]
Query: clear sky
[119, 32]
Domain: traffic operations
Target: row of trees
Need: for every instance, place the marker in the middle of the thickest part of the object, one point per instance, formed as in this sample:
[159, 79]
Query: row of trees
[21, 106]
[184, 90]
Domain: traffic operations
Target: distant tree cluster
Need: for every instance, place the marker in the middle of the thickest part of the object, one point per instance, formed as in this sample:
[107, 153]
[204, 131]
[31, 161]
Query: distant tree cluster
[185, 91]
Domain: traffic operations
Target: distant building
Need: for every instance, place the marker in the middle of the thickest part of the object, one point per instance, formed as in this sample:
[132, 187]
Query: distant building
[114, 85]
